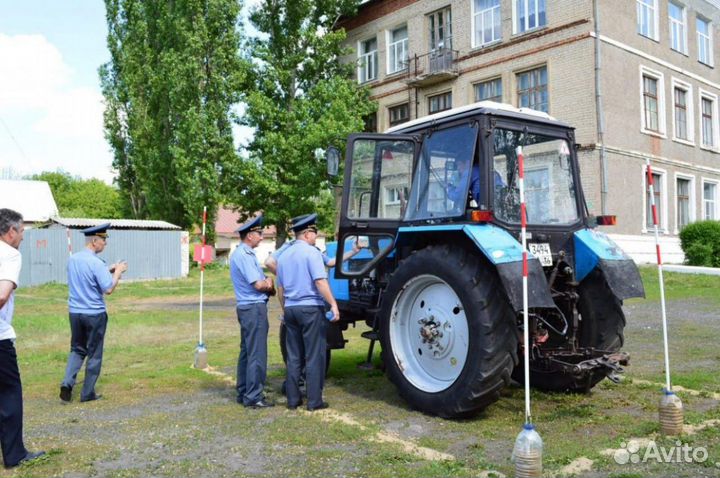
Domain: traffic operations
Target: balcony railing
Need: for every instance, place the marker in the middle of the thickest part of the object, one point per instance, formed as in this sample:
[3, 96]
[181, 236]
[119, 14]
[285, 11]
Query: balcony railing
[433, 67]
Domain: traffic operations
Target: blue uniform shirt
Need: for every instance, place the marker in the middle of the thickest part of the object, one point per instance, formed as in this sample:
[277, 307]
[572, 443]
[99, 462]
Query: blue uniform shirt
[298, 269]
[88, 279]
[279, 252]
[244, 272]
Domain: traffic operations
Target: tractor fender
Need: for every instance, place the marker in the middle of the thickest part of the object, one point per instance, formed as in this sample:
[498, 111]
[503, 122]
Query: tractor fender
[504, 252]
[594, 249]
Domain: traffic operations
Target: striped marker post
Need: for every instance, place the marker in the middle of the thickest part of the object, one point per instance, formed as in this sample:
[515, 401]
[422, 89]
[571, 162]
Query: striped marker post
[69, 241]
[671, 411]
[527, 452]
[201, 351]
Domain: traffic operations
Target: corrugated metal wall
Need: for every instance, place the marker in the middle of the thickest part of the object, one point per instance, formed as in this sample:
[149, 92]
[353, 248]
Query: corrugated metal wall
[149, 254]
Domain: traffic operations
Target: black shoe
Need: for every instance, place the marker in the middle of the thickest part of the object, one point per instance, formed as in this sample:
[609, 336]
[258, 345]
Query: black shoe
[65, 393]
[322, 406]
[30, 456]
[91, 398]
[262, 403]
[294, 407]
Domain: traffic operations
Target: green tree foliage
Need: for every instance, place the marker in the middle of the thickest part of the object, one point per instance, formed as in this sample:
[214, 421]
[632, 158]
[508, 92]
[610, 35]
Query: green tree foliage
[300, 98]
[87, 198]
[700, 242]
[174, 75]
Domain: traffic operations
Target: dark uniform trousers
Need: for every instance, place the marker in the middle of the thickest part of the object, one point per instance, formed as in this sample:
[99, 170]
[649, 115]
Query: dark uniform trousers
[11, 406]
[252, 361]
[306, 329]
[87, 338]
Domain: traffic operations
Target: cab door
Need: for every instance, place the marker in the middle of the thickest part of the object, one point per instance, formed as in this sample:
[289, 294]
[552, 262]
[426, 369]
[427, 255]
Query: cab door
[378, 175]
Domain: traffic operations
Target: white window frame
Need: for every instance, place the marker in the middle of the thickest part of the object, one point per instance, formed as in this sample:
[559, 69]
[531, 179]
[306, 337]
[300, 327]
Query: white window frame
[691, 199]
[662, 227]
[654, 11]
[702, 94]
[393, 46]
[689, 109]
[526, 28]
[488, 80]
[362, 57]
[680, 25]
[716, 209]
[474, 22]
[662, 120]
[701, 37]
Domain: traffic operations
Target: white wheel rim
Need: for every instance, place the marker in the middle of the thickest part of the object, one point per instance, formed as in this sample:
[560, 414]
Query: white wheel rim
[429, 333]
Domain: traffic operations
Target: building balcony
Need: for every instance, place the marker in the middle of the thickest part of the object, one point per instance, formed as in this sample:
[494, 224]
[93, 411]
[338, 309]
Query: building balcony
[432, 68]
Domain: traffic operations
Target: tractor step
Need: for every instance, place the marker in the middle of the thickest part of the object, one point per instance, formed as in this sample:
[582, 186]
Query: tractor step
[370, 335]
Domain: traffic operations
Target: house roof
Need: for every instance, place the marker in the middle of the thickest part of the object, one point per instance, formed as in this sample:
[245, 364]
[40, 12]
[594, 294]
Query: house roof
[74, 222]
[228, 221]
[32, 199]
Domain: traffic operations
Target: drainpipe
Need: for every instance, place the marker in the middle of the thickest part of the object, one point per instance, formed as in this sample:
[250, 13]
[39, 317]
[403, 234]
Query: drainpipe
[600, 115]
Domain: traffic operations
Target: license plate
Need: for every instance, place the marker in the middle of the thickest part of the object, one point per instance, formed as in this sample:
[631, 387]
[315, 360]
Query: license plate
[542, 252]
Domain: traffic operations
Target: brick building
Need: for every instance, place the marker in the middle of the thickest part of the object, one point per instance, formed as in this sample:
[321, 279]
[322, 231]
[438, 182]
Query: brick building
[637, 78]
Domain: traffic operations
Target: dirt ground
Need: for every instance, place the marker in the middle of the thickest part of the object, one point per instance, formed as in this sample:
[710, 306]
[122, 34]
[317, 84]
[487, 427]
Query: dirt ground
[202, 432]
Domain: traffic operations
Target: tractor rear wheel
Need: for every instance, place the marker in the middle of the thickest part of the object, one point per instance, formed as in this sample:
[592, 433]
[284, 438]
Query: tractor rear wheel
[602, 323]
[447, 332]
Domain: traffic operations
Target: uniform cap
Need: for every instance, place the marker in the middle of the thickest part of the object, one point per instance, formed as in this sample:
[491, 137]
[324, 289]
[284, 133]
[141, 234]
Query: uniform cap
[301, 223]
[254, 224]
[100, 230]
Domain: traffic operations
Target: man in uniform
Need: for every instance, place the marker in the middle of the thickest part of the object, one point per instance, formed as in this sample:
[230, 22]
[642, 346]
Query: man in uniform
[11, 402]
[252, 289]
[303, 290]
[89, 279]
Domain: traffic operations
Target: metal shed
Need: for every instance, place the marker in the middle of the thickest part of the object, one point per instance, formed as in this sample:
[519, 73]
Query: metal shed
[153, 249]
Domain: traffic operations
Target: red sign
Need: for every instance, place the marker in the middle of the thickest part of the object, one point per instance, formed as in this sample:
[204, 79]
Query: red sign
[198, 254]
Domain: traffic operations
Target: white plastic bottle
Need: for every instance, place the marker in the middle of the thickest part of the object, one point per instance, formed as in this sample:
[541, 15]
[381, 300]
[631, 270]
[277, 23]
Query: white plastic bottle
[527, 453]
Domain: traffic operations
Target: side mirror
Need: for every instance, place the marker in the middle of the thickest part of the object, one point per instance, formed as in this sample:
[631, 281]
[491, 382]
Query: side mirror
[332, 157]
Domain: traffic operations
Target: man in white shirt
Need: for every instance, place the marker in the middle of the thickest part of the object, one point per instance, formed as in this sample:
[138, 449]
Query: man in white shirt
[11, 403]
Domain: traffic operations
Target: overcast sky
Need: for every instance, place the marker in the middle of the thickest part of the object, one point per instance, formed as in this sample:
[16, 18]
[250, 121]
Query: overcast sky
[50, 101]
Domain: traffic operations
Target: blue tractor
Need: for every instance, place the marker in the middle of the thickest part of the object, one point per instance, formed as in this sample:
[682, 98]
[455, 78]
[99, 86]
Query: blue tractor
[435, 205]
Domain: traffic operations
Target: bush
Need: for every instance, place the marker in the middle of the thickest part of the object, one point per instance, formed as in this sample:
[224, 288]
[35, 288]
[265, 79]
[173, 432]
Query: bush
[701, 243]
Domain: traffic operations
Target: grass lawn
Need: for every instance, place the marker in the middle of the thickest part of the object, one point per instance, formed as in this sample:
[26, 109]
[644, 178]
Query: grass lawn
[160, 417]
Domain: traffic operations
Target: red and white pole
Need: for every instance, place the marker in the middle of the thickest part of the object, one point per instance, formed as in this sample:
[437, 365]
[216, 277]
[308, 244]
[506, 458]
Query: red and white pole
[202, 274]
[523, 238]
[69, 241]
[671, 407]
[651, 188]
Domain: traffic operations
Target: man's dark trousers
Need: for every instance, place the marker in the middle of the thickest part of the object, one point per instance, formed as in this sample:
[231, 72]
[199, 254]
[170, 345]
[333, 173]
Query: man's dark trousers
[252, 361]
[306, 327]
[11, 406]
[87, 339]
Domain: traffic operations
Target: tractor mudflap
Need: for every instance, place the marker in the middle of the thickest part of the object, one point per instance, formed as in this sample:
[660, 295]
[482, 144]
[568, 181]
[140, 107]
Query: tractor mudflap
[583, 365]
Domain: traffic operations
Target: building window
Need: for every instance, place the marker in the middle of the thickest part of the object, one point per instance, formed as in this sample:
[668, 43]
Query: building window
[486, 22]
[651, 120]
[440, 30]
[683, 202]
[529, 14]
[490, 90]
[532, 89]
[658, 193]
[397, 49]
[399, 114]
[440, 102]
[371, 125]
[704, 40]
[681, 114]
[392, 196]
[709, 201]
[677, 18]
[708, 121]
[647, 18]
[367, 56]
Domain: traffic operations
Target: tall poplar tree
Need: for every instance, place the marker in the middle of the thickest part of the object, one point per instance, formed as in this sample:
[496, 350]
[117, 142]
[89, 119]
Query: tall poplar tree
[300, 98]
[175, 73]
